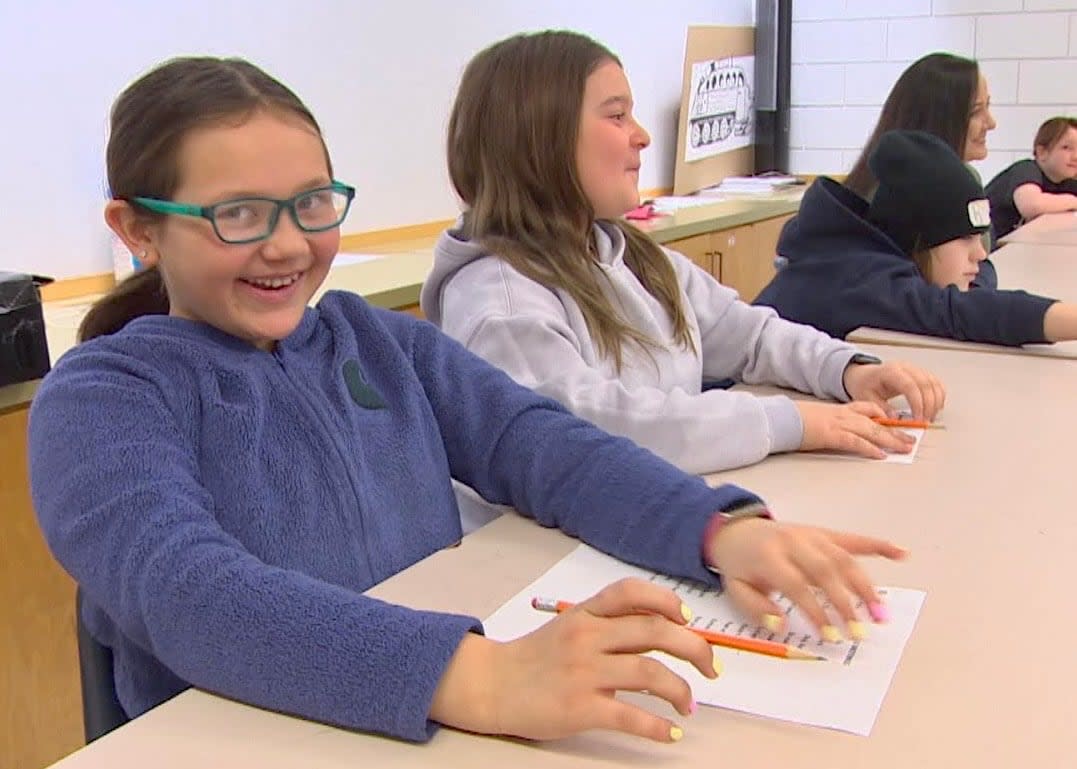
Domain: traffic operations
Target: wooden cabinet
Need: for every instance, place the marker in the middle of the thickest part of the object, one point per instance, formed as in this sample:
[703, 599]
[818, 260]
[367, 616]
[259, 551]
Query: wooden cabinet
[737, 250]
[701, 250]
[752, 266]
[40, 696]
[740, 257]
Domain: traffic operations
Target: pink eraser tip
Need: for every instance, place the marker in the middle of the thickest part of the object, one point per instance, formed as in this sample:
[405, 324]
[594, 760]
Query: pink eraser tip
[878, 612]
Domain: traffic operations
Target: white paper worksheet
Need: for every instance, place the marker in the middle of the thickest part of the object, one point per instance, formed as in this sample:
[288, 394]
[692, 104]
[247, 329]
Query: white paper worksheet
[843, 692]
[899, 459]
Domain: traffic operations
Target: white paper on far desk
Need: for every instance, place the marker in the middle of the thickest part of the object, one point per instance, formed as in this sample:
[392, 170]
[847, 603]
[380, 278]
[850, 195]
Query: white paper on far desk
[671, 203]
[845, 692]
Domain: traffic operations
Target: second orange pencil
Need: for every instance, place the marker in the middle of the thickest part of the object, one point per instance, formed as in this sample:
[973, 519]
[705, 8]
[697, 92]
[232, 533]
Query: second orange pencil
[759, 646]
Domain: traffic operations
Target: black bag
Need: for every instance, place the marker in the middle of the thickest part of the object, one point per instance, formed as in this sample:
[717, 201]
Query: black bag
[24, 351]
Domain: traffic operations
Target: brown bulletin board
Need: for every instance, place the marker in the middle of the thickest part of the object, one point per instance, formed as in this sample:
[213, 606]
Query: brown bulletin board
[704, 43]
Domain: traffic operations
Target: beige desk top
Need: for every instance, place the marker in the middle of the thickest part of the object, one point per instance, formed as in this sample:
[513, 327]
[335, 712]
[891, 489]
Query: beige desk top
[986, 511]
[722, 215]
[1059, 229]
[390, 282]
[869, 335]
[1045, 269]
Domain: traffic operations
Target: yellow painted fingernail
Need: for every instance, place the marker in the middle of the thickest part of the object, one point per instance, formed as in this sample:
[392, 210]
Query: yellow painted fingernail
[718, 666]
[831, 634]
[857, 631]
[686, 612]
[676, 733]
[772, 622]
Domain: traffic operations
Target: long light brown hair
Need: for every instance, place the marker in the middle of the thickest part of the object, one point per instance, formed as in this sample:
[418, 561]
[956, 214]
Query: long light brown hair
[512, 160]
[148, 123]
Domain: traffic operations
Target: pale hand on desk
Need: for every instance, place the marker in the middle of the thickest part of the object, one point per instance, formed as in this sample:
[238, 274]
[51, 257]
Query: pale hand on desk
[758, 557]
[848, 427]
[1060, 322]
[562, 678]
[881, 382]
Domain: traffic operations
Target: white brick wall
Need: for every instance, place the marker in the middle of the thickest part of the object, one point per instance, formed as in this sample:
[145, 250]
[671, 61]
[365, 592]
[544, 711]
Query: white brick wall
[838, 41]
[1021, 35]
[1048, 81]
[818, 84]
[847, 54]
[818, 9]
[885, 9]
[907, 39]
[1050, 5]
[962, 7]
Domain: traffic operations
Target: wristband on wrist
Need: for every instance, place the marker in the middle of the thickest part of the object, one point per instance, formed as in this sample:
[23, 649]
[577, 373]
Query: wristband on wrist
[723, 518]
[858, 359]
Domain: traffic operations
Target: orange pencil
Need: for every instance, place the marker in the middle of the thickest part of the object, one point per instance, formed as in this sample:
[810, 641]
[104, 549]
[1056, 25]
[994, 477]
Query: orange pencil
[770, 648]
[912, 424]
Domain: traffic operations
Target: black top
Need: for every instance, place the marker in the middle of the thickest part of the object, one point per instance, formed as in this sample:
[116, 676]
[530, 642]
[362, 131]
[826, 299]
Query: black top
[1005, 217]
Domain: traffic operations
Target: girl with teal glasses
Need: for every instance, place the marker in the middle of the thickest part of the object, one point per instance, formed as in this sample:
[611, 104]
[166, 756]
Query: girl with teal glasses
[225, 470]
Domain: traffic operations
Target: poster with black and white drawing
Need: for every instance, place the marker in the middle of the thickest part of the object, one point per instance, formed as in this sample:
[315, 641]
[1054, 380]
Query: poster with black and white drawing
[721, 107]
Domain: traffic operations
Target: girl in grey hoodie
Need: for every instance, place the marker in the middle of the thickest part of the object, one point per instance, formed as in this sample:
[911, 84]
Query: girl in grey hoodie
[542, 278]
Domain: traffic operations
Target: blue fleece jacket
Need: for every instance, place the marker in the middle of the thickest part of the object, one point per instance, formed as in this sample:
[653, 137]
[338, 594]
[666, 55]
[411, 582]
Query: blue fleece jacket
[841, 272]
[224, 507]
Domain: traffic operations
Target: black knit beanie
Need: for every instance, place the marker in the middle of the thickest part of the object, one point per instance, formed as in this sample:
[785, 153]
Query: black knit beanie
[926, 196]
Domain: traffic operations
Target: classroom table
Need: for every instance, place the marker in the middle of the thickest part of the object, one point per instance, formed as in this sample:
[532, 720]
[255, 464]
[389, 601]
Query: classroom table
[871, 335]
[1045, 269]
[1058, 229]
[986, 679]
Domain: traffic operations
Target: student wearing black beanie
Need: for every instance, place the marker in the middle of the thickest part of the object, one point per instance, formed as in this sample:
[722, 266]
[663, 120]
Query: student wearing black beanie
[907, 260]
[930, 206]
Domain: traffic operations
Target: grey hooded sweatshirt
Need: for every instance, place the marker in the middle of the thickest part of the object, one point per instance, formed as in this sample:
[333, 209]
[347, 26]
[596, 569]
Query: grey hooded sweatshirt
[538, 335]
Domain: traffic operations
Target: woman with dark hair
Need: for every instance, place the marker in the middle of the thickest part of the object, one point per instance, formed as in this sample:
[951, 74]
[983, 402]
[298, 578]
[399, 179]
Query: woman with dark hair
[941, 94]
[1045, 184]
[944, 95]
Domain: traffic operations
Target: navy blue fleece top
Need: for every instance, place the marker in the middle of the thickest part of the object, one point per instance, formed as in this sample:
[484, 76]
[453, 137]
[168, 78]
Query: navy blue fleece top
[224, 507]
[841, 272]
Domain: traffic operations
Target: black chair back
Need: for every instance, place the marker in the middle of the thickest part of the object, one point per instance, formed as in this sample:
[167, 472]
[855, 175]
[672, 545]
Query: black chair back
[101, 710]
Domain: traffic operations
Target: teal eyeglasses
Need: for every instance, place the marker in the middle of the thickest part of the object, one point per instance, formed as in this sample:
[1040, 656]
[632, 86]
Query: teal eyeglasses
[248, 220]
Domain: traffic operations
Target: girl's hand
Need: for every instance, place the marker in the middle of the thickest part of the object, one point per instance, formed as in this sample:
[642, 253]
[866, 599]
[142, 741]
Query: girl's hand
[878, 383]
[849, 427]
[562, 678]
[758, 557]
